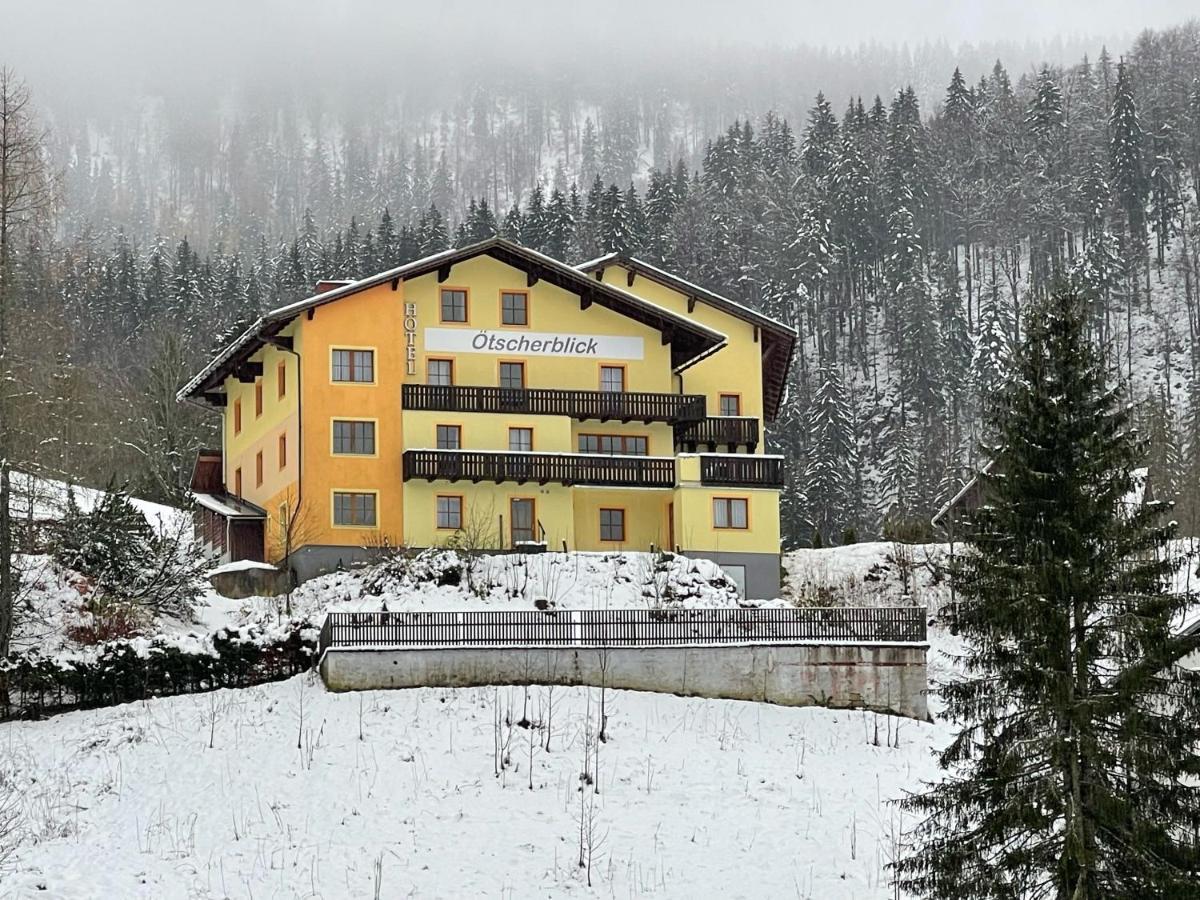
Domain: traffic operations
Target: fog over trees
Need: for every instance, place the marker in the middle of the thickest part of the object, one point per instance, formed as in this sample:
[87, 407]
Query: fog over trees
[901, 206]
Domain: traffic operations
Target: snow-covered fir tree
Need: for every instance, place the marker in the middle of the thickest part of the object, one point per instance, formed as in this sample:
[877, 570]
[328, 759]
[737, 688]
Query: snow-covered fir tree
[1073, 770]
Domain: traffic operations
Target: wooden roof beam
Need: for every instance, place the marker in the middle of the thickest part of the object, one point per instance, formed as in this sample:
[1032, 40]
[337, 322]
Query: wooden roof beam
[283, 343]
[444, 272]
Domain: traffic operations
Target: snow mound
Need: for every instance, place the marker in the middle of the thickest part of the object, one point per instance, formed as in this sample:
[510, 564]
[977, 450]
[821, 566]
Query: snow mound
[873, 573]
[447, 580]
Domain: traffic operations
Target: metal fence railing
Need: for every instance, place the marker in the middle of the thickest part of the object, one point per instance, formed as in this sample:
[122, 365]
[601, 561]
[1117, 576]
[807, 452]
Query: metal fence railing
[623, 627]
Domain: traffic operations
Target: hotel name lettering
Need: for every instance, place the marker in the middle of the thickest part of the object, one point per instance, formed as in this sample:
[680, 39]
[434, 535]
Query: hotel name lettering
[461, 340]
[410, 337]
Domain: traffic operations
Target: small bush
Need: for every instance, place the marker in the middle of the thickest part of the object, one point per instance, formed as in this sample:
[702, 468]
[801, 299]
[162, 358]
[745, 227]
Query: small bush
[107, 622]
[120, 671]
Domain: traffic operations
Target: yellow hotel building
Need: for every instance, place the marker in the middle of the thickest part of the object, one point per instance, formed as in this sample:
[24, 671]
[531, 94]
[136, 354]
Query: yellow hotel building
[491, 397]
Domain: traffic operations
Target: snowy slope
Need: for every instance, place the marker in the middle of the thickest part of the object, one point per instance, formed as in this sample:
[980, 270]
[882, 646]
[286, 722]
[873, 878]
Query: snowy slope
[209, 796]
[48, 498]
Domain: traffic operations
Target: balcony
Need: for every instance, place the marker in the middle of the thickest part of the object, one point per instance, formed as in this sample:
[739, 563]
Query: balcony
[604, 406]
[542, 468]
[716, 432]
[742, 471]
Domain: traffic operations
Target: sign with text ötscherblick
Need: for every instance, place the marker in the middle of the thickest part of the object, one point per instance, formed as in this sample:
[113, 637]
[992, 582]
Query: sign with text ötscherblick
[533, 343]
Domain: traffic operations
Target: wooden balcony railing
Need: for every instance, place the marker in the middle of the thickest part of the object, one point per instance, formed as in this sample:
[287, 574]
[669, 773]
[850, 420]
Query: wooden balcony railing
[741, 471]
[543, 468]
[605, 406]
[713, 432]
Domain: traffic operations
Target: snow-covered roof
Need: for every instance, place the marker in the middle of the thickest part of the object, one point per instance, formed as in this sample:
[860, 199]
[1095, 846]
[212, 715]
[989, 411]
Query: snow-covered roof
[241, 565]
[693, 340]
[228, 506]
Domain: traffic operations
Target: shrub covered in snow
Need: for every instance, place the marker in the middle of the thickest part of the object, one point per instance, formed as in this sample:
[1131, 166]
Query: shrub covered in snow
[134, 571]
[121, 671]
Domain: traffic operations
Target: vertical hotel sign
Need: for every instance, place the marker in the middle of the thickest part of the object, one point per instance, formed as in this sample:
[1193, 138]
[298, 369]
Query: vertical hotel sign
[410, 337]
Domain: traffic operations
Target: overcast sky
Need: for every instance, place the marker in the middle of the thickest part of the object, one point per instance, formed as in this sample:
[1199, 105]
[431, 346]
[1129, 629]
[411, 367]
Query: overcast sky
[88, 49]
[125, 24]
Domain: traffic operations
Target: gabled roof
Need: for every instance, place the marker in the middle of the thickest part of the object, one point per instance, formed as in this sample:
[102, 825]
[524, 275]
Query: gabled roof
[1138, 496]
[690, 341]
[778, 339]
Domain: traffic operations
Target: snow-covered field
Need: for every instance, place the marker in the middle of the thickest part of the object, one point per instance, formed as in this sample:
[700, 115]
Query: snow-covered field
[289, 791]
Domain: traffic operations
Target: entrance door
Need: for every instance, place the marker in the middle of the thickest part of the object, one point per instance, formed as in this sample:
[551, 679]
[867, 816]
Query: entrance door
[671, 527]
[522, 517]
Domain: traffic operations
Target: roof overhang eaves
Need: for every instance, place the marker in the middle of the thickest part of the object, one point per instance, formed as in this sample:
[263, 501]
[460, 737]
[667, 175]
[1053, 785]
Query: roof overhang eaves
[706, 340]
[674, 282]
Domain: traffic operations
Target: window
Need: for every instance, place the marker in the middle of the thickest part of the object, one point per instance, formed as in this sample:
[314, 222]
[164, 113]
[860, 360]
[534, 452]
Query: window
[523, 519]
[512, 374]
[353, 437]
[614, 444]
[612, 379]
[731, 512]
[612, 524]
[258, 469]
[731, 404]
[258, 399]
[237, 483]
[353, 508]
[354, 365]
[439, 371]
[449, 512]
[282, 450]
[454, 305]
[449, 437]
[237, 416]
[281, 380]
[520, 439]
[514, 308]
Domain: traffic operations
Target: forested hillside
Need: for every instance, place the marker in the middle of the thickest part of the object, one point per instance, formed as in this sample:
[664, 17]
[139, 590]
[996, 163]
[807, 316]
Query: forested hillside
[902, 236]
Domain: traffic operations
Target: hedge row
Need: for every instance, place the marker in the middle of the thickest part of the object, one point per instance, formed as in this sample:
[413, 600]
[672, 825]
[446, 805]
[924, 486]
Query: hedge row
[33, 685]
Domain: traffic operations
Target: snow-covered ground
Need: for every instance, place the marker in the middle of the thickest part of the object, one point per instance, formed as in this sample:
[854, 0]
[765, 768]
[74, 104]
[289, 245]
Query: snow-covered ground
[289, 791]
[44, 499]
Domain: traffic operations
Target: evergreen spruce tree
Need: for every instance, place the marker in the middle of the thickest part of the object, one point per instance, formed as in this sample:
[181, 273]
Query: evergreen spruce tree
[432, 235]
[829, 475]
[1073, 774]
[1130, 183]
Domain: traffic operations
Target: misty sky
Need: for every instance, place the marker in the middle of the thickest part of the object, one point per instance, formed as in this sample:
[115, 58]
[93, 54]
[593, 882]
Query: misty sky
[114, 27]
[92, 53]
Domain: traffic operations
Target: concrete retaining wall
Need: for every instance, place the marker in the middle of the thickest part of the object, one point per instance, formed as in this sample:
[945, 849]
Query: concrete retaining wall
[881, 677]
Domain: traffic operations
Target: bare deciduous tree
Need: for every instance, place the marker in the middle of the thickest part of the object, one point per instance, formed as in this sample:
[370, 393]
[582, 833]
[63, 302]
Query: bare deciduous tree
[26, 201]
[294, 527]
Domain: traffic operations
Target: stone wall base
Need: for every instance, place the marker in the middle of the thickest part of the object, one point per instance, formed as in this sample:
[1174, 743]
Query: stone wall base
[881, 677]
